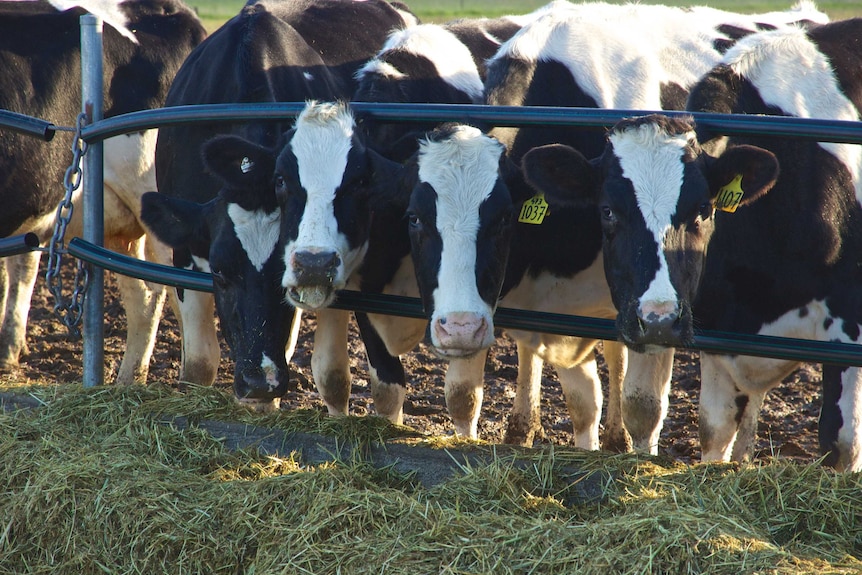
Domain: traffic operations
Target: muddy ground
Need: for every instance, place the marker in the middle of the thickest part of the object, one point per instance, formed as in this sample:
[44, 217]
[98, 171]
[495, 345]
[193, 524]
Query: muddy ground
[788, 425]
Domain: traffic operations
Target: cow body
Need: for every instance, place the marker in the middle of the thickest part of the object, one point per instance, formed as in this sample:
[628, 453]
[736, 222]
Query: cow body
[782, 263]
[271, 51]
[787, 265]
[43, 80]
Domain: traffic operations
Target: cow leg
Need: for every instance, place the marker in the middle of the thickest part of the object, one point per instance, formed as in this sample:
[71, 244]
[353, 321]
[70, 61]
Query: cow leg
[330, 365]
[525, 420]
[583, 391]
[840, 428]
[746, 431]
[201, 351]
[646, 388]
[388, 382]
[4, 289]
[732, 389]
[616, 438]
[464, 392]
[21, 271]
[392, 336]
[143, 302]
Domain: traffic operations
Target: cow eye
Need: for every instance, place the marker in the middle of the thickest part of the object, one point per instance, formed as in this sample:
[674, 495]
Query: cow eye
[706, 210]
[280, 186]
[218, 276]
[414, 220]
[608, 214]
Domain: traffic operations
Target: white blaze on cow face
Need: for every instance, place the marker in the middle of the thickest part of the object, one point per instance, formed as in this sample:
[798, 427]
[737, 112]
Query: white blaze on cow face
[257, 232]
[321, 144]
[653, 161]
[463, 171]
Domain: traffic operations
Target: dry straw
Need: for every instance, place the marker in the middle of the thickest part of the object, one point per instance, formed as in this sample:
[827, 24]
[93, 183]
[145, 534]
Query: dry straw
[93, 482]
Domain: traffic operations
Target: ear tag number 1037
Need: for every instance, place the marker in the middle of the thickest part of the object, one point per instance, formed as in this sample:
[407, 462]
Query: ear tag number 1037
[534, 210]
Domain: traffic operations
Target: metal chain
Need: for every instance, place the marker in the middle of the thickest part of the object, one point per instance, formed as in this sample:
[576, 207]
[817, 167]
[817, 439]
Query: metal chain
[68, 311]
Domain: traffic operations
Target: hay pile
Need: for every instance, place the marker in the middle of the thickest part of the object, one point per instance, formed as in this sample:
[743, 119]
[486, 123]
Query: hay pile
[94, 482]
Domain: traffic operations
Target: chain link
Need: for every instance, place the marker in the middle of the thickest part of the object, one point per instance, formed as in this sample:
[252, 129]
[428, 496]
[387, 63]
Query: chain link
[71, 311]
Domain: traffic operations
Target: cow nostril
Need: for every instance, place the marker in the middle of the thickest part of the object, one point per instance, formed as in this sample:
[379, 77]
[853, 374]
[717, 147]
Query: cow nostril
[316, 267]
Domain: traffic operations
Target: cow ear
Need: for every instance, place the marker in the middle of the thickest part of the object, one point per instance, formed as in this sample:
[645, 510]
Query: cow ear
[563, 174]
[741, 175]
[238, 162]
[173, 221]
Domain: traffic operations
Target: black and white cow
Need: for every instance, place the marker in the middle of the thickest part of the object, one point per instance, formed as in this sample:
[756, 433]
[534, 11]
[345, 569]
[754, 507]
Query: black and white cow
[784, 264]
[40, 58]
[218, 211]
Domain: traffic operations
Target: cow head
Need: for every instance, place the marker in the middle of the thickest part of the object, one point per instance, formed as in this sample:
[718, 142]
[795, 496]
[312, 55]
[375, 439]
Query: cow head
[656, 191]
[325, 178]
[235, 237]
[460, 222]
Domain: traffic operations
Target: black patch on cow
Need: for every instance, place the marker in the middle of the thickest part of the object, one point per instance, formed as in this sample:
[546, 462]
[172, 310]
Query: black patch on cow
[388, 367]
[427, 245]
[496, 221]
[673, 96]
[483, 37]
[831, 420]
[741, 402]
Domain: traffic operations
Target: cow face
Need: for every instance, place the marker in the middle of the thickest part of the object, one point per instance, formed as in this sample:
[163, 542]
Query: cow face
[324, 179]
[656, 191]
[234, 237]
[460, 217]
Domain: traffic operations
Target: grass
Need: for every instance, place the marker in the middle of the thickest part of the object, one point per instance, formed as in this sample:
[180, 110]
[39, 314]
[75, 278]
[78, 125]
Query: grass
[92, 482]
[216, 12]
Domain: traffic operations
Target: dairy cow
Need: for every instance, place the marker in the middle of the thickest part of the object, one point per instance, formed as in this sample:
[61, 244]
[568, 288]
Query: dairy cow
[780, 264]
[40, 58]
[219, 211]
[586, 55]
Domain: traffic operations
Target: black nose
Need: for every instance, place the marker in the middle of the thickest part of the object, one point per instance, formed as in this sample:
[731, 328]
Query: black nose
[315, 268]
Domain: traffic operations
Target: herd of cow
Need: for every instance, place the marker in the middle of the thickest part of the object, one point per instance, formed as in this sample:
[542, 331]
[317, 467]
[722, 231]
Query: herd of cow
[656, 223]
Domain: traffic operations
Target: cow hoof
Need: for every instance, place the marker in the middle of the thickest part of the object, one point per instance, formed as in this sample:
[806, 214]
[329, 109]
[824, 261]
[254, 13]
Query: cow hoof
[618, 443]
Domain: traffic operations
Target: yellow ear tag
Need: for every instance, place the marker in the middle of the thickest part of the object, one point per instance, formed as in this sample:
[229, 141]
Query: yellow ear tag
[534, 210]
[729, 195]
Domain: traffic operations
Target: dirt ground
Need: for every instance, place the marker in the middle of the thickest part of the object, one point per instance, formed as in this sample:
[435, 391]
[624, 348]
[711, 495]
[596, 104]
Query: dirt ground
[788, 424]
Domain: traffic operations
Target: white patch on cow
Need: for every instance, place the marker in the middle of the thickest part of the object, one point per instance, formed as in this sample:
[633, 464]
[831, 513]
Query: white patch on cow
[652, 160]
[269, 372]
[257, 232]
[107, 10]
[408, 17]
[201, 264]
[321, 143]
[791, 74]
[673, 45]
[451, 58]
[463, 171]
